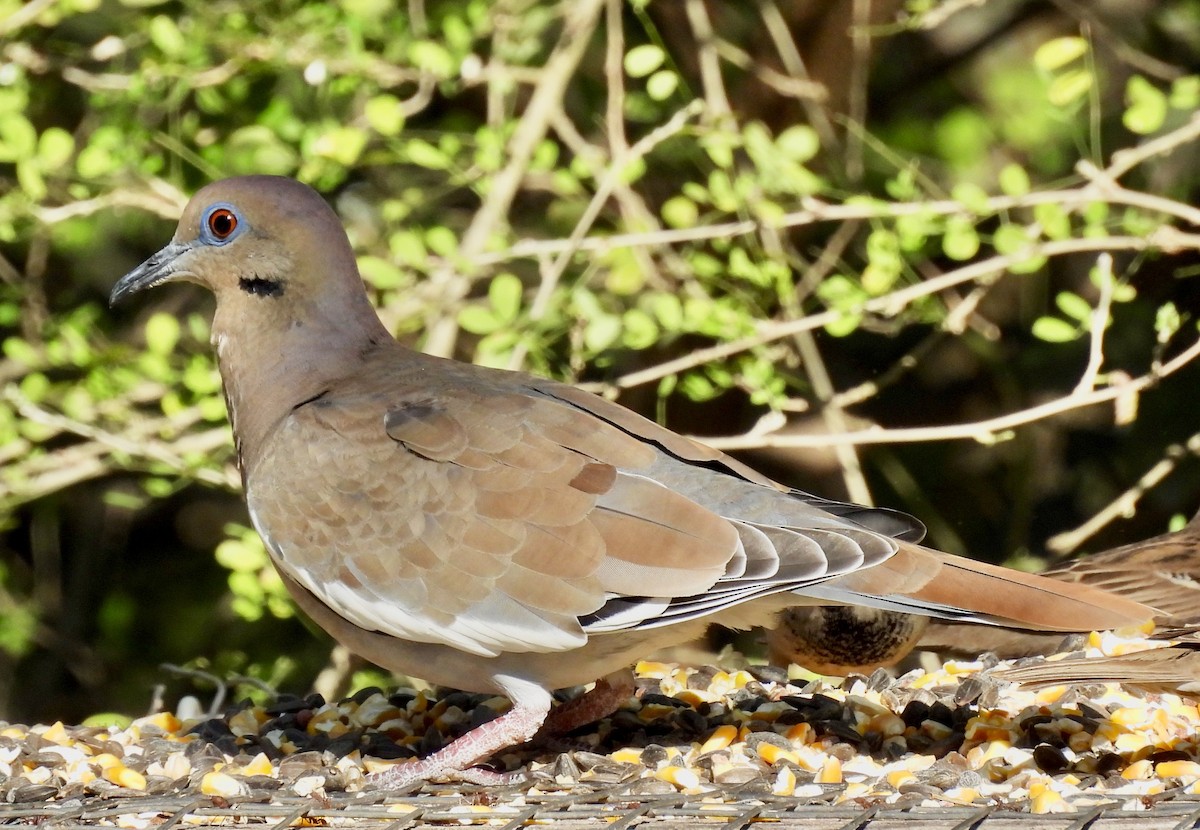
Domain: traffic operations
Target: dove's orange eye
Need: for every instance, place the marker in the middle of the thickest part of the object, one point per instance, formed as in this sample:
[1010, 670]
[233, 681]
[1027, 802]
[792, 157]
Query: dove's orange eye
[222, 222]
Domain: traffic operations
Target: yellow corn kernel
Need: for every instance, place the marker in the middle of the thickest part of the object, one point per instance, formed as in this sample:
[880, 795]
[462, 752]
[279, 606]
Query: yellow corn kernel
[887, 725]
[627, 755]
[785, 782]
[1080, 742]
[691, 697]
[1138, 770]
[56, 733]
[260, 764]
[741, 678]
[1127, 716]
[800, 733]
[123, 776]
[165, 721]
[1178, 769]
[899, 777]
[721, 737]
[681, 777]
[831, 772]
[219, 783]
[1131, 742]
[105, 760]
[1049, 801]
[773, 754]
[1050, 694]
[979, 755]
[651, 668]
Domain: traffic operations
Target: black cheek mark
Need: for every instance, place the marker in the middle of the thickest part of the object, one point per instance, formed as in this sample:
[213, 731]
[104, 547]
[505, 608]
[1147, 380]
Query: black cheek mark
[260, 287]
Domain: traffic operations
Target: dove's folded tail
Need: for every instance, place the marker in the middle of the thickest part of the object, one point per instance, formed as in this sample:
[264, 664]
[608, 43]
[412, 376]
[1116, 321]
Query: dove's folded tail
[936, 584]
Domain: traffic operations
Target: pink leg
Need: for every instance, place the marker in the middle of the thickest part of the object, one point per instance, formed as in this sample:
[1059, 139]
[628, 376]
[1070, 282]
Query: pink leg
[530, 702]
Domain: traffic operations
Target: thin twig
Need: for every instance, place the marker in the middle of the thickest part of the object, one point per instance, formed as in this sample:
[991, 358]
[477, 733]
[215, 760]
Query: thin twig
[541, 301]
[1126, 503]
[710, 63]
[985, 431]
[816, 211]
[891, 304]
[581, 20]
[1100, 318]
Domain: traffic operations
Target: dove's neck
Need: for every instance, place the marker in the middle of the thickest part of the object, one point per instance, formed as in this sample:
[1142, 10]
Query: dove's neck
[270, 369]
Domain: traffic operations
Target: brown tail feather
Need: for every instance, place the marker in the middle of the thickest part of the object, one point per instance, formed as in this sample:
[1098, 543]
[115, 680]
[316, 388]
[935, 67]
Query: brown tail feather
[1011, 597]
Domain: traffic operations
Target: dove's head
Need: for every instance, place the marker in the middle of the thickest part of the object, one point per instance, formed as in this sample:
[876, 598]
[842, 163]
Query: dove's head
[270, 249]
[292, 313]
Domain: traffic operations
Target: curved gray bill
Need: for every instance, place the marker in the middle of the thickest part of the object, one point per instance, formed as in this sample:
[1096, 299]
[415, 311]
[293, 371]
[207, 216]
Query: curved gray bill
[154, 271]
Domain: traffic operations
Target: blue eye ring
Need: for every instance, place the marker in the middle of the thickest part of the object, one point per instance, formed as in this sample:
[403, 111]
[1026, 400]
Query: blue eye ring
[221, 224]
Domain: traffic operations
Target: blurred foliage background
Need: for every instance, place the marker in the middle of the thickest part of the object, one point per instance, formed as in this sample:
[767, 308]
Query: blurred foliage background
[938, 254]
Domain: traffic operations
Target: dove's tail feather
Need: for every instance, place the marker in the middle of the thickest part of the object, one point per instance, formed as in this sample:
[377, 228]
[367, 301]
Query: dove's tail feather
[924, 581]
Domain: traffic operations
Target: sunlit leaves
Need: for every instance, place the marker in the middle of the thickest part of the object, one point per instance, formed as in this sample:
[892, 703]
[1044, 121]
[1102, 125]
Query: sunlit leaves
[1147, 106]
[253, 580]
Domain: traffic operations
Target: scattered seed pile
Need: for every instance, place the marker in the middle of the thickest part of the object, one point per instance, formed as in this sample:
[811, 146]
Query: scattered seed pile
[953, 736]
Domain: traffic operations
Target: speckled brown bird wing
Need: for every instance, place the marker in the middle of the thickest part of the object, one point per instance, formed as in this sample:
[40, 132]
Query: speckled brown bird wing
[476, 517]
[1163, 572]
[1173, 668]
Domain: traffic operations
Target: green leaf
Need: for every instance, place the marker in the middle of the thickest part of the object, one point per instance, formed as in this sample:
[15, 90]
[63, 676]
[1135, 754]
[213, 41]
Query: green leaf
[441, 240]
[1147, 108]
[1185, 92]
[668, 310]
[432, 57]
[55, 146]
[641, 60]
[846, 324]
[1053, 220]
[1054, 330]
[1010, 239]
[973, 197]
[1074, 306]
[382, 274]
[505, 293]
[1069, 87]
[680, 212]
[29, 177]
[341, 144]
[17, 138]
[478, 319]
[601, 332]
[162, 333]
[719, 147]
[960, 241]
[1014, 180]
[20, 351]
[799, 143]
[878, 278]
[1057, 53]
[662, 84]
[385, 114]
[424, 154]
[166, 35]
[1167, 322]
[638, 329]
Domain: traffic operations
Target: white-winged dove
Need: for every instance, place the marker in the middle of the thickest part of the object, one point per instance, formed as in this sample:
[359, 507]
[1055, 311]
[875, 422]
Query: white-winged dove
[1162, 572]
[497, 532]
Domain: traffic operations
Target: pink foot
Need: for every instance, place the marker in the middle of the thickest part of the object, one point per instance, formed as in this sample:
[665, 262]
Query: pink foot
[454, 761]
